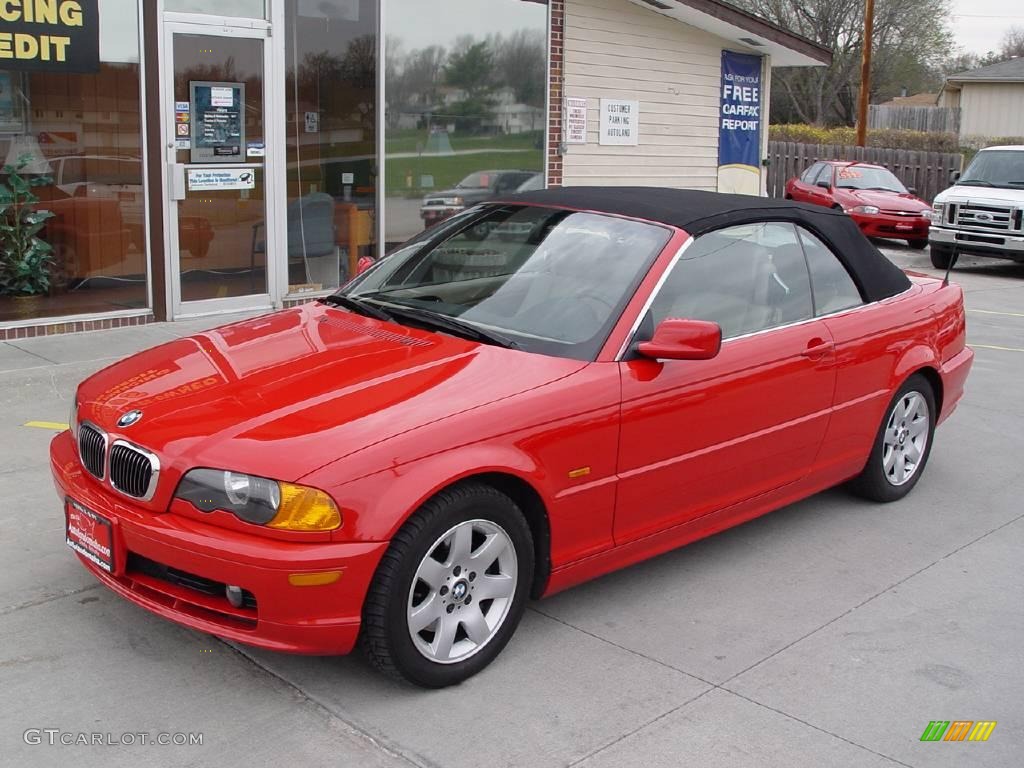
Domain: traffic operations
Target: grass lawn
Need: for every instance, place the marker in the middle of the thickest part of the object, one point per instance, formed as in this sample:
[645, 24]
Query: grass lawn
[449, 171]
[416, 140]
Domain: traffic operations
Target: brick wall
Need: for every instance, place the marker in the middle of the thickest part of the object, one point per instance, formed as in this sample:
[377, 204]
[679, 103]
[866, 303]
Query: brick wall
[555, 77]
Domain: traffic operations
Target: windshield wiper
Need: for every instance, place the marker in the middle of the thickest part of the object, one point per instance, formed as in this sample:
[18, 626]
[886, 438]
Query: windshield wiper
[359, 306]
[975, 183]
[452, 325]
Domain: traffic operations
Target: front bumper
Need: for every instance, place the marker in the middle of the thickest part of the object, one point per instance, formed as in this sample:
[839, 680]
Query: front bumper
[979, 243]
[434, 214]
[892, 227]
[321, 619]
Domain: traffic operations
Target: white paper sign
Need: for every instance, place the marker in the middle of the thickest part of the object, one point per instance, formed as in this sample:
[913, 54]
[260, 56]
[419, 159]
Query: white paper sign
[575, 118]
[620, 122]
[208, 179]
[312, 122]
[222, 97]
[348, 178]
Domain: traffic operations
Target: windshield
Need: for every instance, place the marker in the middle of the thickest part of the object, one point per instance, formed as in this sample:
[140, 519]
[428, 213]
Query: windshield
[866, 177]
[550, 281]
[996, 168]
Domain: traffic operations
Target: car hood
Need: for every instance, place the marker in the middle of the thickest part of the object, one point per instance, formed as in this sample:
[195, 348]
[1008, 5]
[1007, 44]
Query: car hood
[284, 394]
[466, 193]
[972, 194]
[887, 201]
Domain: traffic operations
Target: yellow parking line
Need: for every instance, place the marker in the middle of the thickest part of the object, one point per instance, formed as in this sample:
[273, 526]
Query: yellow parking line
[993, 312]
[993, 346]
[56, 426]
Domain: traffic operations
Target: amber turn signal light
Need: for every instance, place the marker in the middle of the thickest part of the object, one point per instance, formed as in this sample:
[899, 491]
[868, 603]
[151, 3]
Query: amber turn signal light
[305, 509]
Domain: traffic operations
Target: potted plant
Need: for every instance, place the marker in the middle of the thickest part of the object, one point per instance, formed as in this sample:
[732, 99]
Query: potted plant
[24, 258]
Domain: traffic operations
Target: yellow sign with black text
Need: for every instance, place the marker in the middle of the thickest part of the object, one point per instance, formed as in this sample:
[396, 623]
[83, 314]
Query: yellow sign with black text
[50, 35]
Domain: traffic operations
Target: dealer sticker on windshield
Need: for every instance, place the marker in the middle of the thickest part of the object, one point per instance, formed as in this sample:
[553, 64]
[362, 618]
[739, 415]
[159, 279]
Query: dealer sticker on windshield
[90, 535]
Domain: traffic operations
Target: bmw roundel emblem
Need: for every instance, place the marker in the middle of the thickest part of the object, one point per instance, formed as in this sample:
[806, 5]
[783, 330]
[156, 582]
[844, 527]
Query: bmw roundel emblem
[129, 418]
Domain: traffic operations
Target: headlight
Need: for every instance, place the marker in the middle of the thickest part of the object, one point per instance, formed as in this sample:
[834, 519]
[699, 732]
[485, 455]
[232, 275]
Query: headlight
[454, 201]
[935, 214]
[868, 210]
[259, 500]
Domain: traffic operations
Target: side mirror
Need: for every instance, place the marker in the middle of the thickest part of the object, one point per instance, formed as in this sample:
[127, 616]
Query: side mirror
[676, 339]
[912, 190]
[954, 177]
[824, 185]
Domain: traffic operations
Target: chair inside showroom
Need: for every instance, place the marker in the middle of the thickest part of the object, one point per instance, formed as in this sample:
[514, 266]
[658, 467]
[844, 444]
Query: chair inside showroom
[312, 240]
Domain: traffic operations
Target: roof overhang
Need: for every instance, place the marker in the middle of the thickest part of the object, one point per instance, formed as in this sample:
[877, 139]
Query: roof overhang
[749, 32]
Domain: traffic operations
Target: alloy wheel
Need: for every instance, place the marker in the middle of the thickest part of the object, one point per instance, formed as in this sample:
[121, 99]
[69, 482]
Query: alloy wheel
[462, 591]
[905, 438]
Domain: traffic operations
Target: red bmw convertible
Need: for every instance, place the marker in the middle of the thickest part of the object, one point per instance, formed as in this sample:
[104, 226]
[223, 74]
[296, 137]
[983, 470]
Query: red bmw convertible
[536, 392]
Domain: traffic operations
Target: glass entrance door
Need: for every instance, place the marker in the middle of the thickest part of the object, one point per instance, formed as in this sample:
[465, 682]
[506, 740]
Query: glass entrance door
[218, 166]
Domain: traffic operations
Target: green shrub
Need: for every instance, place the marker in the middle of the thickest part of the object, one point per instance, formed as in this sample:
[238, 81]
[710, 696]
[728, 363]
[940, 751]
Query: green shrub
[885, 138]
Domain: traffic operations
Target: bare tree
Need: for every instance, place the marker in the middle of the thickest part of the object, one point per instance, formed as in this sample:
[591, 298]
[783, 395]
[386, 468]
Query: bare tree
[909, 34]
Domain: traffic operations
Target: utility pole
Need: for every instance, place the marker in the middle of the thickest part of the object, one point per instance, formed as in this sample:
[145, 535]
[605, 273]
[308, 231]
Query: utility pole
[865, 73]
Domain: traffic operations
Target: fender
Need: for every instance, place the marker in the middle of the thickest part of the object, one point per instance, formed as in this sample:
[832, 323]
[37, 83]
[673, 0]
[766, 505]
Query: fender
[912, 359]
[376, 506]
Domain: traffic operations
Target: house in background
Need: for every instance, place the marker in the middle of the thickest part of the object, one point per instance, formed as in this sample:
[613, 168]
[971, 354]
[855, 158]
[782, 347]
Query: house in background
[990, 99]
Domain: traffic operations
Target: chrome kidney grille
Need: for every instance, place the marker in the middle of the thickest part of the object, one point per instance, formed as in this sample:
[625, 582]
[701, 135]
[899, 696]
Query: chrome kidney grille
[92, 448]
[133, 470]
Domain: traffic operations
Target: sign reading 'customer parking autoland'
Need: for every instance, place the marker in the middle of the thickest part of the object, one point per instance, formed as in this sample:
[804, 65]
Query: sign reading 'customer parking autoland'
[50, 35]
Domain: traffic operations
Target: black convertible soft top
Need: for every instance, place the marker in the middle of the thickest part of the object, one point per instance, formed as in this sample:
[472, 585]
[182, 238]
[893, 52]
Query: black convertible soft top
[699, 212]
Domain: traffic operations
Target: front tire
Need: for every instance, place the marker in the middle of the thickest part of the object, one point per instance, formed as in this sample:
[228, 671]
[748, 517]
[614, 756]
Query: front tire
[902, 445]
[451, 589]
[918, 245]
[942, 257]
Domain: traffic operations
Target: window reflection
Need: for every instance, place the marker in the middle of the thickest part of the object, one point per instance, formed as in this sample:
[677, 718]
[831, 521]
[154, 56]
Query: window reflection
[332, 139]
[465, 113]
[78, 137]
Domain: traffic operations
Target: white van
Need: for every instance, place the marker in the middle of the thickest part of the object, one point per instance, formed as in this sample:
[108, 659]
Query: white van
[983, 212]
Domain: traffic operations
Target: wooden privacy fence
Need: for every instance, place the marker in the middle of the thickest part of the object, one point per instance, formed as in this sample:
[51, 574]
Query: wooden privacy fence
[927, 172]
[905, 118]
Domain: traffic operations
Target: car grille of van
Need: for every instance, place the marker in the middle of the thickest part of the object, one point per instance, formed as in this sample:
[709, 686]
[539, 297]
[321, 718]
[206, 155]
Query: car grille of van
[131, 470]
[992, 218]
[92, 448]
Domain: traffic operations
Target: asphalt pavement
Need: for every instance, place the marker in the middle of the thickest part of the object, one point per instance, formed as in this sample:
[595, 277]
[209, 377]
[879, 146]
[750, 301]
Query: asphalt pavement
[828, 633]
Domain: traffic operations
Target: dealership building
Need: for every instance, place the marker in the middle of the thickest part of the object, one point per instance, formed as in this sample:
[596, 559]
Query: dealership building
[214, 157]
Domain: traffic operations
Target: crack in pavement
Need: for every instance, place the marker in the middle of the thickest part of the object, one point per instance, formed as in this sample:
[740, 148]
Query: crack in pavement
[722, 686]
[387, 747]
[48, 599]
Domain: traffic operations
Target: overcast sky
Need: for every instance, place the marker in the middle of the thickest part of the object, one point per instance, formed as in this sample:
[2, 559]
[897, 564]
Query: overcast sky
[417, 24]
[979, 24]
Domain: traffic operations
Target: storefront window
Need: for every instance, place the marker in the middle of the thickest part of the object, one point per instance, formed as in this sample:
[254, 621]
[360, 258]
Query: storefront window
[331, 97]
[74, 131]
[465, 113]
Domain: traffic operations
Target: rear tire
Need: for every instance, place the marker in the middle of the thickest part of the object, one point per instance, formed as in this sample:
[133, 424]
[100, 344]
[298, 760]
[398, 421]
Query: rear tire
[451, 589]
[902, 445]
[942, 257]
[918, 245]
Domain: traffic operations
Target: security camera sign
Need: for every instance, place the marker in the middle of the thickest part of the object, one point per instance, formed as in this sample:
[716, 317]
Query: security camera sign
[211, 179]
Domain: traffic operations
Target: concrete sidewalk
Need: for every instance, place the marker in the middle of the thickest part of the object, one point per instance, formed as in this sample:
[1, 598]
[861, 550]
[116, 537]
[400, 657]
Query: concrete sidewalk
[828, 633]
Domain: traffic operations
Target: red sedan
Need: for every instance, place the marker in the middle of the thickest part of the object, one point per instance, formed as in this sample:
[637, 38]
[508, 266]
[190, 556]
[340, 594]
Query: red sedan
[870, 194]
[474, 421]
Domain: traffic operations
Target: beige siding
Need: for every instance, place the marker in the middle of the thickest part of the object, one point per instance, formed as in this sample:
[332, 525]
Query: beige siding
[992, 109]
[615, 49]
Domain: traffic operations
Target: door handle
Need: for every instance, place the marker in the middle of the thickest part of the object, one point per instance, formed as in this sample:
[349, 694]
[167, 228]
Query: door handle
[177, 180]
[818, 348]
